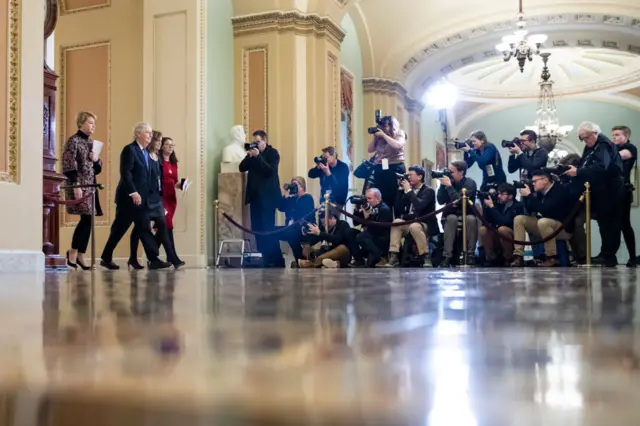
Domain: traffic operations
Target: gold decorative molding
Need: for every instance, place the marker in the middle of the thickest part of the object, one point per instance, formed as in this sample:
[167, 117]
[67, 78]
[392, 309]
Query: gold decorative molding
[246, 52]
[334, 68]
[64, 10]
[389, 87]
[103, 220]
[202, 134]
[13, 101]
[289, 22]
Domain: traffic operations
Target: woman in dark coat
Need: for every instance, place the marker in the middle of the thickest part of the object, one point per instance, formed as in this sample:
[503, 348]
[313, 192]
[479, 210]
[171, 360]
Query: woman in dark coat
[81, 165]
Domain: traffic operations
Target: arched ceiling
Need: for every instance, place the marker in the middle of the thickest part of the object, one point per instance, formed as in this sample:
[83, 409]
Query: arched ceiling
[414, 40]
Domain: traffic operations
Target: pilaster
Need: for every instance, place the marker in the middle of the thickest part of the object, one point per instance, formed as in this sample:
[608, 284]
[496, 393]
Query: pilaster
[288, 84]
[392, 98]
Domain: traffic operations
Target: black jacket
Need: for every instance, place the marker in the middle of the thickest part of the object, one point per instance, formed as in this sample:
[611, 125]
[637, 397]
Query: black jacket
[135, 176]
[263, 183]
[297, 208]
[423, 202]
[528, 161]
[554, 205]
[337, 236]
[503, 214]
[601, 166]
[628, 164]
[454, 192]
[337, 182]
[384, 214]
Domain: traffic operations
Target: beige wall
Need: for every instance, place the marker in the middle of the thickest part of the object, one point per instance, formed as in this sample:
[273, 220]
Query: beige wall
[173, 75]
[21, 216]
[99, 60]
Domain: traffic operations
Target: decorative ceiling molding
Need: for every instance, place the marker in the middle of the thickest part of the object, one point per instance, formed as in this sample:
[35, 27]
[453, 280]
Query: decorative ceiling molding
[559, 20]
[289, 22]
[388, 87]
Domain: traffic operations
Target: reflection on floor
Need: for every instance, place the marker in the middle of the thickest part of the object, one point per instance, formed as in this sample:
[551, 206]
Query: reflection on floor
[327, 347]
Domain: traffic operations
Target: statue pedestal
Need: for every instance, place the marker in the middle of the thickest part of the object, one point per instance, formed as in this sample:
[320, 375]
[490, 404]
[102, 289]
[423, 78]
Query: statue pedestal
[231, 194]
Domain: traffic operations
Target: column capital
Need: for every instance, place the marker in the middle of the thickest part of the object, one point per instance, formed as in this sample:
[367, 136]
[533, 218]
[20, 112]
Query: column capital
[289, 22]
[389, 87]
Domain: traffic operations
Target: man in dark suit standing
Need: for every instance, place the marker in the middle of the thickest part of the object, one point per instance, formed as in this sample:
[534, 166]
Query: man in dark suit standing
[132, 195]
[263, 196]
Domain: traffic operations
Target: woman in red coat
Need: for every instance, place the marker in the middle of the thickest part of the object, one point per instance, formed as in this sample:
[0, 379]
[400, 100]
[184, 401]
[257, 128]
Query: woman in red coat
[170, 183]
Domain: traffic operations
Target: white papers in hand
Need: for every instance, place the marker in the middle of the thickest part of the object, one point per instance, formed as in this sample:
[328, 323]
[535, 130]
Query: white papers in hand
[97, 147]
[185, 186]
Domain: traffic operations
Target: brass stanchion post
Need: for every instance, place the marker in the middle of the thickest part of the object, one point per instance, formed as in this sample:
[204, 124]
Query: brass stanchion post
[216, 221]
[465, 199]
[93, 228]
[587, 202]
[326, 212]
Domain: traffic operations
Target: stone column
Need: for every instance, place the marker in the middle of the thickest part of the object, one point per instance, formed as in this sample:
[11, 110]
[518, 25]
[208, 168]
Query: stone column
[288, 84]
[392, 98]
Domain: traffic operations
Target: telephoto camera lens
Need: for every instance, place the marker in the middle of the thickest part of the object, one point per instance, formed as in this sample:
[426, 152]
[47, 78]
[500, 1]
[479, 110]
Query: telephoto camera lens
[251, 145]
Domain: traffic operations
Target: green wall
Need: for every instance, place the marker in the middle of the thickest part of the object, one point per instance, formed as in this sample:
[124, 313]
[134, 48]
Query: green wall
[508, 123]
[219, 114]
[351, 59]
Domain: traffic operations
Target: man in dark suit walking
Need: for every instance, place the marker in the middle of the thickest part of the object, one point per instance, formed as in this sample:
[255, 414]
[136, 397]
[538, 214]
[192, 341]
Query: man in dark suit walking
[132, 197]
[263, 196]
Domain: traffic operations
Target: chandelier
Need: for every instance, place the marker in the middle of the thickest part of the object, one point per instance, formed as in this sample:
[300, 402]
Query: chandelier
[518, 45]
[547, 125]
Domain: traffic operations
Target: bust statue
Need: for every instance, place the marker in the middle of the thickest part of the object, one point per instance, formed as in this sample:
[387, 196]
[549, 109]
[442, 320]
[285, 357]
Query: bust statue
[234, 151]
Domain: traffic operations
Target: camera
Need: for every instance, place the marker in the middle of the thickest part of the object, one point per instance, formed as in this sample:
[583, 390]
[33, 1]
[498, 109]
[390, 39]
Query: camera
[251, 145]
[461, 144]
[320, 160]
[519, 185]
[440, 174]
[556, 170]
[379, 119]
[512, 143]
[358, 200]
[291, 187]
[402, 177]
[493, 196]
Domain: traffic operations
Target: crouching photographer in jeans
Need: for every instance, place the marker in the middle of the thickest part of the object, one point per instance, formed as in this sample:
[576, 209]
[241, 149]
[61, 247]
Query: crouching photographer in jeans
[415, 199]
[335, 253]
[500, 213]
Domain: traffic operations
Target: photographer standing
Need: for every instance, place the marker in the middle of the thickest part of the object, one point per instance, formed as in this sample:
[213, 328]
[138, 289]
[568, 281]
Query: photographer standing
[373, 241]
[501, 217]
[296, 204]
[263, 195]
[629, 155]
[388, 144]
[527, 156]
[488, 158]
[451, 190]
[601, 166]
[415, 199]
[334, 176]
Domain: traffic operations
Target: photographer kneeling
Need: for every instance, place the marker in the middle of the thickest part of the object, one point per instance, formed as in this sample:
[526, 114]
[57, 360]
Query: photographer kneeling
[501, 218]
[488, 158]
[333, 174]
[415, 199]
[548, 208]
[373, 241]
[296, 204]
[526, 156]
[451, 190]
[336, 253]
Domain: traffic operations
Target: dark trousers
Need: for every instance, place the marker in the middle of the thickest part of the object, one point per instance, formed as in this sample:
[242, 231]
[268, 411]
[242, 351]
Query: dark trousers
[161, 237]
[387, 182]
[293, 236]
[609, 217]
[125, 215]
[263, 219]
[627, 229]
[81, 235]
[367, 244]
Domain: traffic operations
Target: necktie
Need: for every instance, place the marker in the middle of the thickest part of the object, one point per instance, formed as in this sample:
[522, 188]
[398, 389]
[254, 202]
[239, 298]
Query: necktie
[146, 157]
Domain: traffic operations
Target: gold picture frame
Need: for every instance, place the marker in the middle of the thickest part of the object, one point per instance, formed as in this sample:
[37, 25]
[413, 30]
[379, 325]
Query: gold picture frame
[428, 165]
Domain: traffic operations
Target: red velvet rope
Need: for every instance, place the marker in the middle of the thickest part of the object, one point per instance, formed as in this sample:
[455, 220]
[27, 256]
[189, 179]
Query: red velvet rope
[508, 239]
[266, 233]
[392, 224]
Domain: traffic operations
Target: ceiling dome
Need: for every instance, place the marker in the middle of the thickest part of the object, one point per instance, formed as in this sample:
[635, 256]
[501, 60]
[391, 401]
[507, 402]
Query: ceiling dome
[573, 70]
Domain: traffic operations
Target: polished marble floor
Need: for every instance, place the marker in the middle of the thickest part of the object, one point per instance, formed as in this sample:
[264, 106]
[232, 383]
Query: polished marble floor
[474, 347]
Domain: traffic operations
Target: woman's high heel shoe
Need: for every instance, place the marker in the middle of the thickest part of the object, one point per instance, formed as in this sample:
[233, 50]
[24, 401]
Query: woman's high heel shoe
[133, 264]
[82, 265]
[69, 264]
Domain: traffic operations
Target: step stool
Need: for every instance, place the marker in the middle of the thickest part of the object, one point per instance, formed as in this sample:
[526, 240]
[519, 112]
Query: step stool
[231, 255]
